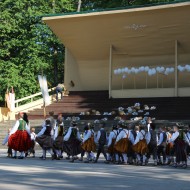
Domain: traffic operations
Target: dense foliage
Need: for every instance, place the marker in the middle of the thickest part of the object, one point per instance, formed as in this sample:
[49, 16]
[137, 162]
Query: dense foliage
[28, 47]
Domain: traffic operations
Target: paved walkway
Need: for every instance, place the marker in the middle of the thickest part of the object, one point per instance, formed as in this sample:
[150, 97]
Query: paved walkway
[36, 174]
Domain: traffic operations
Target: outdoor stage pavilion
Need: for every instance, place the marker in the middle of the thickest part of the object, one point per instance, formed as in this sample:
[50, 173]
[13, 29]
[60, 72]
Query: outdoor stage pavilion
[132, 52]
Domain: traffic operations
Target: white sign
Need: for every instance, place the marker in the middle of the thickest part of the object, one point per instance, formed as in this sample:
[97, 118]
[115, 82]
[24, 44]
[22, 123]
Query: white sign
[44, 89]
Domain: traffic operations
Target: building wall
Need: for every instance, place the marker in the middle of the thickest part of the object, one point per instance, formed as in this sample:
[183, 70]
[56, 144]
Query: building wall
[89, 75]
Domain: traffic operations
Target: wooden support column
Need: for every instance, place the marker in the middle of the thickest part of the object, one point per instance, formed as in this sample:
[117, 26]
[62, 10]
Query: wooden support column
[110, 71]
[176, 69]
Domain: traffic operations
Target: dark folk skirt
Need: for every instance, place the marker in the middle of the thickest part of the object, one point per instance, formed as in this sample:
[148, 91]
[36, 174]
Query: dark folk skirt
[58, 143]
[72, 147]
[45, 141]
[180, 151]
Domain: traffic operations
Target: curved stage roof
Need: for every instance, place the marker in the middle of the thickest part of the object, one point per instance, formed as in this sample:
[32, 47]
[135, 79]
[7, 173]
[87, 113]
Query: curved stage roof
[135, 32]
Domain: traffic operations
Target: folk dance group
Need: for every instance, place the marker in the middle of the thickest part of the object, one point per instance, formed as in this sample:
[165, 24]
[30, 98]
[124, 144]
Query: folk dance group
[125, 144]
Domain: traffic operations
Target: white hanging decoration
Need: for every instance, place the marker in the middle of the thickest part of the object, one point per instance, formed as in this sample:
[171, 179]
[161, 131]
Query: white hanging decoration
[129, 71]
[162, 69]
[154, 71]
[133, 69]
[150, 72]
[172, 70]
[124, 76]
[181, 68]
[115, 72]
[146, 68]
[123, 70]
[187, 67]
[126, 69]
[158, 69]
[167, 71]
[141, 69]
[119, 71]
[136, 71]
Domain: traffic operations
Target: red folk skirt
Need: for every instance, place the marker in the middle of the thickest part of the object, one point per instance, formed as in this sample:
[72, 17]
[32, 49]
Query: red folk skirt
[20, 141]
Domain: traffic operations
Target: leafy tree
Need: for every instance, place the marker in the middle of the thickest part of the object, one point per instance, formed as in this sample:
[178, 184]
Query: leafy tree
[28, 46]
[104, 4]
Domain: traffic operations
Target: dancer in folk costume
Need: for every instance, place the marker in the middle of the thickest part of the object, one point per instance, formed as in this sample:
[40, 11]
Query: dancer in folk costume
[152, 145]
[5, 141]
[88, 144]
[187, 140]
[33, 137]
[123, 142]
[179, 146]
[101, 140]
[131, 155]
[162, 145]
[32, 149]
[66, 147]
[169, 146]
[58, 139]
[140, 145]
[111, 143]
[72, 141]
[19, 139]
[52, 121]
[45, 140]
[85, 137]
[118, 155]
[92, 155]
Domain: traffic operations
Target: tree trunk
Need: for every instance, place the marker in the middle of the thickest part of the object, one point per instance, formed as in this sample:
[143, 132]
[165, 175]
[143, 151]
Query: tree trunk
[79, 5]
[53, 6]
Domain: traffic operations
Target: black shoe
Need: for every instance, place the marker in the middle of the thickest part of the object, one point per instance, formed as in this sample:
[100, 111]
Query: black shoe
[159, 163]
[42, 158]
[14, 157]
[106, 161]
[53, 157]
[21, 157]
[169, 162]
[184, 166]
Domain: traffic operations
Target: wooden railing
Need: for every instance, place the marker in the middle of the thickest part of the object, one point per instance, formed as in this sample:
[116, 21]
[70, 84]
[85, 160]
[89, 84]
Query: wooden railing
[31, 97]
